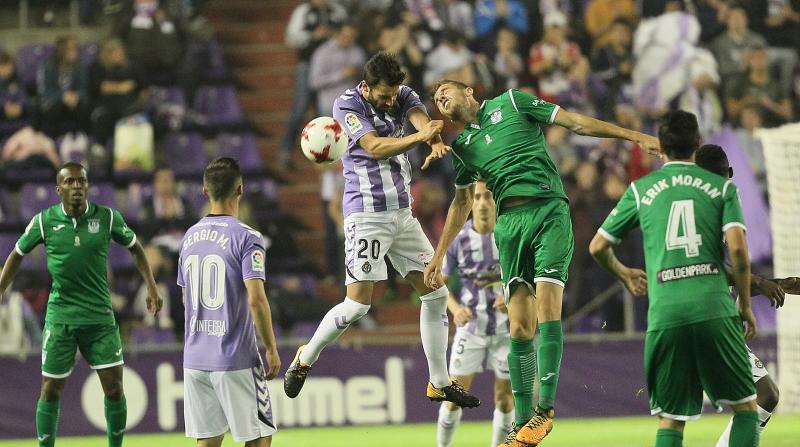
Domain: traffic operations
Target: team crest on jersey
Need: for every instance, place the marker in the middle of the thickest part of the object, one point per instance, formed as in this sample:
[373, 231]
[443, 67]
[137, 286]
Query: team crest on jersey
[496, 116]
[94, 226]
[257, 261]
[367, 267]
[352, 122]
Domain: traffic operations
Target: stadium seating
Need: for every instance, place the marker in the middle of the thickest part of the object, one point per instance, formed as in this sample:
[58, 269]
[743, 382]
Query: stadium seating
[29, 59]
[218, 107]
[185, 154]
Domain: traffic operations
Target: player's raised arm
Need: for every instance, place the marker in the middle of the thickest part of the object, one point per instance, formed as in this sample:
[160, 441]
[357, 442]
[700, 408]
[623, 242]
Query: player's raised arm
[262, 317]
[386, 147]
[154, 301]
[457, 215]
[586, 125]
[419, 119]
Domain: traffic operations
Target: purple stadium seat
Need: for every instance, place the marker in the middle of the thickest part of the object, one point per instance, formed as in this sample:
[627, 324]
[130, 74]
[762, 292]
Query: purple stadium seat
[119, 257]
[37, 196]
[7, 242]
[88, 53]
[242, 147]
[138, 195]
[169, 95]
[265, 188]
[218, 106]
[29, 59]
[7, 215]
[103, 194]
[193, 192]
[208, 58]
[185, 153]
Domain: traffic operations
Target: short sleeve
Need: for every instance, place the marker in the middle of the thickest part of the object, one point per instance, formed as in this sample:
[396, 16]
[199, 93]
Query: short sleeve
[533, 108]
[463, 174]
[450, 259]
[180, 281]
[121, 233]
[622, 219]
[351, 115]
[409, 99]
[732, 215]
[253, 257]
[33, 236]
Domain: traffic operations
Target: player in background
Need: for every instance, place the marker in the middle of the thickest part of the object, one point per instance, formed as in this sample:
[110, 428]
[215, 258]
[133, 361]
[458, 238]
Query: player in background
[76, 234]
[713, 158]
[692, 322]
[504, 144]
[479, 313]
[378, 220]
[221, 272]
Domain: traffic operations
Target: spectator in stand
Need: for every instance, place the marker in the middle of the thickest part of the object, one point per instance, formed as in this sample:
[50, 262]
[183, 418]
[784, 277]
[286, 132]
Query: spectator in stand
[758, 88]
[115, 84]
[700, 96]
[451, 59]
[13, 101]
[310, 25]
[745, 133]
[28, 148]
[711, 14]
[508, 65]
[396, 38]
[613, 64]
[555, 60]
[428, 207]
[602, 15]
[336, 66]
[62, 86]
[167, 214]
[780, 25]
[439, 15]
[731, 47]
[491, 15]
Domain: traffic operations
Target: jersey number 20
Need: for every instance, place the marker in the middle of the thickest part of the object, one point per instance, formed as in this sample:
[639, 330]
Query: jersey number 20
[206, 280]
[681, 229]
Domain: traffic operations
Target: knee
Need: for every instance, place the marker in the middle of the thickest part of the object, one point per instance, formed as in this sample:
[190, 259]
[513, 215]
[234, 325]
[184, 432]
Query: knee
[671, 424]
[522, 328]
[51, 390]
[114, 390]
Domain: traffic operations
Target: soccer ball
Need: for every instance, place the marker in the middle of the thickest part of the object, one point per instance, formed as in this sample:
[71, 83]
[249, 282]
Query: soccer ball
[323, 140]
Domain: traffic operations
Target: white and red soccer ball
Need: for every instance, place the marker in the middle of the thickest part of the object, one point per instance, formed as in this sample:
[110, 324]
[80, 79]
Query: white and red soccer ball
[323, 140]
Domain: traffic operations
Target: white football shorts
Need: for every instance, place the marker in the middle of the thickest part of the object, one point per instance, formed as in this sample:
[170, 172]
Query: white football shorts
[371, 237]
[759, 370]
[217, 401]
[469, 351]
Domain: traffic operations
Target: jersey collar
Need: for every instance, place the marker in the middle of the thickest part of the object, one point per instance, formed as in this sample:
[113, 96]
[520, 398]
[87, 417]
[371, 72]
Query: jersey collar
[63, 210]
[478, 116]
[684, 163]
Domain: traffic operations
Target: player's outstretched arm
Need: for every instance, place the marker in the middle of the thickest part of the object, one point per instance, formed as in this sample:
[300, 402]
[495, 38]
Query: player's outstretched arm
[769, 288]
[457, 215]
[154, 301]
[262, 317]
[419, 119]
[385, 147]
[9, 271]
[593, 127]
[740, 270]
[635, 280]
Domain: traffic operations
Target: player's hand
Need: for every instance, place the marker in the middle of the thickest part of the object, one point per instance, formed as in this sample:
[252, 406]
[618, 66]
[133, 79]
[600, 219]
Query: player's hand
[770, 289]
[649, 144]
[500, 304]
[790, 285]
[462, 316]
[432, 275]
[635, 280]
[273, 363]
[438, 151]
[431, 129]
[154, 301]
[749, 319]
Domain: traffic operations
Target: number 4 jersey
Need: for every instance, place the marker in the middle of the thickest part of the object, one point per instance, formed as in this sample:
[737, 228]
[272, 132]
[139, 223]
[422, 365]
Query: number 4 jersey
[218, 254]
[684, 211]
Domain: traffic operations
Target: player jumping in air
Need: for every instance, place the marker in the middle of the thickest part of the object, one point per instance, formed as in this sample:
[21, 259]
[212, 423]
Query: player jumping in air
[76, 234]
[479, 313]
[503, 143]
[378, 220]
[221, 274]
[694, 340]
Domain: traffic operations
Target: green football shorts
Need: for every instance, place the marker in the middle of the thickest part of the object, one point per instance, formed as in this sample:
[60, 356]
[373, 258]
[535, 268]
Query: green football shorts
[99, 344]
[682, 362]
[535, 243]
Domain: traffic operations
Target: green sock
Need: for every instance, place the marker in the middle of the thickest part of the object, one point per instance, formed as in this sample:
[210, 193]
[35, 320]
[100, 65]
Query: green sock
[522, 371]
[47, 422]
[667, 437]
[551, 345]
[744, 431]
[116, 419]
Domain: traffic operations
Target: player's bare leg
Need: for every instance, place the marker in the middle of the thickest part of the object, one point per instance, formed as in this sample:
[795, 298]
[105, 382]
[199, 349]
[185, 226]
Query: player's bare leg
[433, 324]
[260, 442]
[115, 406]
[503, 417]
[551, 345]
[47, 410]
[333, 324]
[211, 442]
[450, 415]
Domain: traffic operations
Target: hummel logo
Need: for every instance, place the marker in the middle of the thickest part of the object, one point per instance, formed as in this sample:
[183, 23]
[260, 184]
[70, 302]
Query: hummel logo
[43, 438]
[118, 352]
[548, 376]
[548, 271]
[56, 228]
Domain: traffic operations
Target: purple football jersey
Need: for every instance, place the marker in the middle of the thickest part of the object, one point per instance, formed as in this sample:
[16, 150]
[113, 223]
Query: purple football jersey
[218, 254]
[370, 184]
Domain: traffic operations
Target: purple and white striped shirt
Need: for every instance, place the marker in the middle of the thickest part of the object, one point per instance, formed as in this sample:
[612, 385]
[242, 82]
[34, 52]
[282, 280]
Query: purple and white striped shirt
[476, 260]
[373, 185]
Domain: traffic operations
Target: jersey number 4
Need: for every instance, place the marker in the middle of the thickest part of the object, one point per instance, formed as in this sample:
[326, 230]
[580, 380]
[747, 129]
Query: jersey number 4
[681, 229]
[206, 280]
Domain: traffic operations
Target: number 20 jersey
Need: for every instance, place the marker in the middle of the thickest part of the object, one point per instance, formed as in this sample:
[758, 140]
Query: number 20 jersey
[218, 254]
[684, 211]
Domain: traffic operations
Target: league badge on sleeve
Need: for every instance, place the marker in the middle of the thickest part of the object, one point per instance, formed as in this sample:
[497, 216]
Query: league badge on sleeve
[257, 261]
[353, 123]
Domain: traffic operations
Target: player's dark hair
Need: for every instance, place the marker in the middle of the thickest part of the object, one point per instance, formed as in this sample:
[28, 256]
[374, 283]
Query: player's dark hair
[458, 84]
[221, 177]
[68, 165]
[712, 157]
[383, 68]
[679, 134]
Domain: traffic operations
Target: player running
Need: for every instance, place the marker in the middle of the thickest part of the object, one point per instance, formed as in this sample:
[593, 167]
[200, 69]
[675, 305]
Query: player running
[221, 273]
[504, 144]
[76, 234]
[480, 314]
[378, 220]
[692, 323]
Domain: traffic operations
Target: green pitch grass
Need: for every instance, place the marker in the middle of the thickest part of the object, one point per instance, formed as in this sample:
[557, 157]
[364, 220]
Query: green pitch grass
[782, 431]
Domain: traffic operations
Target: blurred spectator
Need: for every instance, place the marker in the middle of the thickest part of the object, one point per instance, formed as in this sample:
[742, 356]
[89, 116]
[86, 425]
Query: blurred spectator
[562, 151]
[491, 15]
[331, 187]
[398, 40]
[555, 60]
[28, 148]
[336, 66]
[711, 14]
[780, 26]
[440, 15]
[508, 65]
[63, 87]
[613, 64]
[758, 88]
[451, 59]
[700, 97]
[601, 15]
[13, 101]
[428, 206]
[167, 214]
[731, 47]
[310, 25]
[115, 85]
[752, 147]
[19, 328]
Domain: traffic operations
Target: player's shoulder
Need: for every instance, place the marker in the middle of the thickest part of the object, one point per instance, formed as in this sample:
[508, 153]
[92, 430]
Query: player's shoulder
[406, 92]
[349, 100]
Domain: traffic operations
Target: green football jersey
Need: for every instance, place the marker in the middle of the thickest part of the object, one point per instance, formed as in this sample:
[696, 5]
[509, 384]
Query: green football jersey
[684, 211]
[507, 148]
[77, 253]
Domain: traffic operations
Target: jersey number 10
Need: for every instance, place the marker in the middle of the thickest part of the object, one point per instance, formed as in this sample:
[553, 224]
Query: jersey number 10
[681, 229]
[206, 280]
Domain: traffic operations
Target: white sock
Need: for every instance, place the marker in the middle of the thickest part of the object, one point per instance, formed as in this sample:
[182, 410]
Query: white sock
[447, 424]
[333, 324]
[724, 439]
[501, 425]
[433, 332]
[763, 417]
